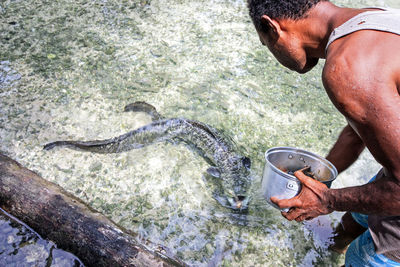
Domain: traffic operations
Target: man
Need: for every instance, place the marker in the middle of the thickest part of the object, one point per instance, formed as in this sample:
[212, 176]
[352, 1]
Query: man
[362, 78]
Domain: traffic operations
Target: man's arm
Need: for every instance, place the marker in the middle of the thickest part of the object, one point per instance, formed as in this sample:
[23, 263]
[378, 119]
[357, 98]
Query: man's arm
[380, 197]
[365, 92]
[346, 149]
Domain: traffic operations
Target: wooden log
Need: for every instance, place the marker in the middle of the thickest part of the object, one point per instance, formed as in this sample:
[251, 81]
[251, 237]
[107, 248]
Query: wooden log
[59, 216]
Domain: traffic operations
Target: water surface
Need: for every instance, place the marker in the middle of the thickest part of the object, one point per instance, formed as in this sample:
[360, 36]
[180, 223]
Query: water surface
[67, 69]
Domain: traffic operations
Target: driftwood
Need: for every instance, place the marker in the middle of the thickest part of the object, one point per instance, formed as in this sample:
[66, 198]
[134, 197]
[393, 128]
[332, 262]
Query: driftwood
[67, 221]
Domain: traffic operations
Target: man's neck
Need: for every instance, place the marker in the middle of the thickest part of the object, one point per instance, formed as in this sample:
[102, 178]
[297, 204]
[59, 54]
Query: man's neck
[321, 20]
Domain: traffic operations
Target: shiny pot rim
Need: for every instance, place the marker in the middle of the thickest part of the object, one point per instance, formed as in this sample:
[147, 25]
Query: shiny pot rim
[299, 151]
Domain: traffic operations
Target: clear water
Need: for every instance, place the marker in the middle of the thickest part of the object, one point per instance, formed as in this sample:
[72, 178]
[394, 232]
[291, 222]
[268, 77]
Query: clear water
[67, 69]
[21, 246]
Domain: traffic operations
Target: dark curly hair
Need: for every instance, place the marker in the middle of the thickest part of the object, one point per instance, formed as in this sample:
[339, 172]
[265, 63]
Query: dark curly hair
[278, 9]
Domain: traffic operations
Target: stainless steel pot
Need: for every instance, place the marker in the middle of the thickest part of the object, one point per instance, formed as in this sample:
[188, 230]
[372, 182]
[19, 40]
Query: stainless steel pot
[279, 183]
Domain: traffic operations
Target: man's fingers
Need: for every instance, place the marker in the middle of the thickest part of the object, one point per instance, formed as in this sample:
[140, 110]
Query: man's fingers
[306, 168]
[297, 214]
[294, 214]
[306, 180]
[286, 203]
[301, 176]
[304, 217]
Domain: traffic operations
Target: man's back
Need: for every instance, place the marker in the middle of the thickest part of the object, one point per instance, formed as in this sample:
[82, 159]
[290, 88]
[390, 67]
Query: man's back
[369, 68]
[361, 74]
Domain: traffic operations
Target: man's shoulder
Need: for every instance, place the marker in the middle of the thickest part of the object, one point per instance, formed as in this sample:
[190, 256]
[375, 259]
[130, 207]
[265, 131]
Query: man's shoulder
[350, 51]
[360, 67]
[367, 52]
[346, 82]
[342, 67]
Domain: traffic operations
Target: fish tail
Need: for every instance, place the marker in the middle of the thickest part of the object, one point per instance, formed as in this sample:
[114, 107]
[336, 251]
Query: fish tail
[99, 146]
[155, 132]
[54, 144]
[141, 106]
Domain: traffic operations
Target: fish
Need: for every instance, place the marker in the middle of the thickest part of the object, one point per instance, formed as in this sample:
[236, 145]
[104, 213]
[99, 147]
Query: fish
[227, 165]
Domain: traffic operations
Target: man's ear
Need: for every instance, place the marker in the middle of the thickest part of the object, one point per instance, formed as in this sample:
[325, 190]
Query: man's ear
[272, 25]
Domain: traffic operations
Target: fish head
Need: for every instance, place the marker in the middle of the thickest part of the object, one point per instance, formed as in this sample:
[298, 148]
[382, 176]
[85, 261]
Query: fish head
[236, 203]
[236, 181]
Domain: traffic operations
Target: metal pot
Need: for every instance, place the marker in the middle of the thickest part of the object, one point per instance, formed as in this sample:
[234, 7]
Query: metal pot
[279, 183]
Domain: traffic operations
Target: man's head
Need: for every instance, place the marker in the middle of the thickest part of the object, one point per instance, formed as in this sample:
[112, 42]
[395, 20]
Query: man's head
[278, 9]
[281, 27]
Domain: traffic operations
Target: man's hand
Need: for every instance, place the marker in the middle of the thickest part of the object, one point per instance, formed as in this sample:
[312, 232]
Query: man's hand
[309, 203]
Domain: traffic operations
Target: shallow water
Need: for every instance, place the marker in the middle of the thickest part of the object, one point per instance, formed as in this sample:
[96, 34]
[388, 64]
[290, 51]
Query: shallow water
[69, 67]
[21, 246]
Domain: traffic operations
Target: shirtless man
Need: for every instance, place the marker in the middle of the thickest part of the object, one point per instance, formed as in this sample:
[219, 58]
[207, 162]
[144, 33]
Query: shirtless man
[362, 78]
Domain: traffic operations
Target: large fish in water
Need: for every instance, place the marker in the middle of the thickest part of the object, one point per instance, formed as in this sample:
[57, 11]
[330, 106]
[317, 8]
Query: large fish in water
[232, 169]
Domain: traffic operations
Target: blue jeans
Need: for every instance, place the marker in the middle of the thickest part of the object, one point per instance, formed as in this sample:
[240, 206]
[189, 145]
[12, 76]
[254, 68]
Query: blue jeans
[361, 251]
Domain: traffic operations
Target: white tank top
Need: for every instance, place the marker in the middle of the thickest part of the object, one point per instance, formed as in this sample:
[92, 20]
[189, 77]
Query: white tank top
[385, 19]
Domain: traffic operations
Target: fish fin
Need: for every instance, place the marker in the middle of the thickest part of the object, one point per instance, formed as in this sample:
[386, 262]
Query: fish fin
[246, 162]
[141, 106]
[221, 200]
[214, 171]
